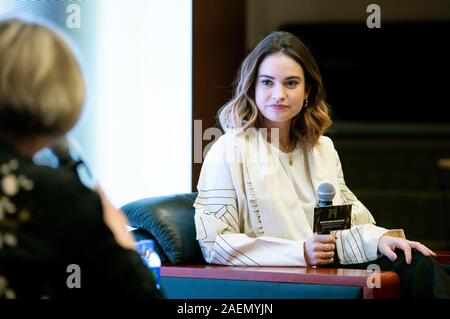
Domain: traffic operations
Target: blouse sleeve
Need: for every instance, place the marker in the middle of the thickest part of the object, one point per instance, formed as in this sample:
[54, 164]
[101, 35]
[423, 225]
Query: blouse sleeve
[358, 244]
[219, 218]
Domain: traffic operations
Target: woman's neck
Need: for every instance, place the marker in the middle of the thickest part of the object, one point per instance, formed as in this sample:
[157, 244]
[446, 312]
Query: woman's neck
[284, 129]
[26, 146]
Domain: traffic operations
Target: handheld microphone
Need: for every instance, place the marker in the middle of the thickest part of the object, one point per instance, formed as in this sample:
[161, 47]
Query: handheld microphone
[325, 193]
[328, 217]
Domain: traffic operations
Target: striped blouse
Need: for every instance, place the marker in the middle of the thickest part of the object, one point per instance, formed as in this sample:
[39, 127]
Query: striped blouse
[254, 209]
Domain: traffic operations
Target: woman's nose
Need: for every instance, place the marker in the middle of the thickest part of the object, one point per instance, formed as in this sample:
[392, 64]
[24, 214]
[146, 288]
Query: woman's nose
[278, 93]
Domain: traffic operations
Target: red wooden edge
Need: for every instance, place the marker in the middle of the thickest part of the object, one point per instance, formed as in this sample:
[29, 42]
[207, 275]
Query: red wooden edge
[443, 256]
[383, 284]
[387, 286]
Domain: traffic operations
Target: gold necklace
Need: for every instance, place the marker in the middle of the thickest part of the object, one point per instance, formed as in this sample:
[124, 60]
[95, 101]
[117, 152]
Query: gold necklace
[290, 159]
[289, 154]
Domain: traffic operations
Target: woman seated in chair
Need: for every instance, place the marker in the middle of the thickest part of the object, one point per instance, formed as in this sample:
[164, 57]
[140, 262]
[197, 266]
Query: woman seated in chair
[257, 187]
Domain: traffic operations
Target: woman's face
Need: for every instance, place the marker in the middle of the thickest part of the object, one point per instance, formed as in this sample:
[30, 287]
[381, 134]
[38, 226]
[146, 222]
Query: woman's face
[280, 89]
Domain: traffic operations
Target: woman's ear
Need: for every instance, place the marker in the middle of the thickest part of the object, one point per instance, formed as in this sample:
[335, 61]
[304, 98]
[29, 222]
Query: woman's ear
[307, 90]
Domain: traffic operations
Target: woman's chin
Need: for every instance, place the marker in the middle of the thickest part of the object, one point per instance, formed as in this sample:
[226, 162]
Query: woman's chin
[278, 118]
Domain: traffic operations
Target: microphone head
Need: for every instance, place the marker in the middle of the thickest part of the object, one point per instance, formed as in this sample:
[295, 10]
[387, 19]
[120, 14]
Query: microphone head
[325, 193]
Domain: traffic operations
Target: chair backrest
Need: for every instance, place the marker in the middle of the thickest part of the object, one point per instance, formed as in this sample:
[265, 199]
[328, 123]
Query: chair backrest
[170, 221]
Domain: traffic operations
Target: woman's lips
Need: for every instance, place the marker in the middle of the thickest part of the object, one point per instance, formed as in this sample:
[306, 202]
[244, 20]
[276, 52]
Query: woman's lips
[278, 107]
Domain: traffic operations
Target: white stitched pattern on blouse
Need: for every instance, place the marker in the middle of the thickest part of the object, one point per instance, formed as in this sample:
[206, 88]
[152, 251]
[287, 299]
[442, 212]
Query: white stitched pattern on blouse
[215, 214]
[350, 243]
[221, 203]
[232, 255]
[254, 209]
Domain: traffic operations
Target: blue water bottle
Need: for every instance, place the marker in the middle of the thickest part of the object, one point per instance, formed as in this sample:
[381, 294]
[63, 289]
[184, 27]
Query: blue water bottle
[146, 248]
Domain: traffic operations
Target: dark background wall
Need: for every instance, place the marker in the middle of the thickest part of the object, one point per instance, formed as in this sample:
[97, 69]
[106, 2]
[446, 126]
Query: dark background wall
[218, 47]
[264, 16]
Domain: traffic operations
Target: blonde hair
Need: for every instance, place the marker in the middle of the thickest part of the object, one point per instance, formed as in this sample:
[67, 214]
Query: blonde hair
[241, 111]
[41, 85]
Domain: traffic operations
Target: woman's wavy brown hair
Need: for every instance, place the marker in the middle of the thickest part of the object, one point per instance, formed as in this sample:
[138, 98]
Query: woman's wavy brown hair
[241, 111]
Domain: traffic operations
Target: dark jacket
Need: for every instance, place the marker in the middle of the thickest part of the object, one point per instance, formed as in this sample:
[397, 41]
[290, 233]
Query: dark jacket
[53, 238]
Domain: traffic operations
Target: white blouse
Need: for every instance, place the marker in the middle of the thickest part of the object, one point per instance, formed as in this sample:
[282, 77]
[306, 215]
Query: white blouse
[300, 181]
[254, 209]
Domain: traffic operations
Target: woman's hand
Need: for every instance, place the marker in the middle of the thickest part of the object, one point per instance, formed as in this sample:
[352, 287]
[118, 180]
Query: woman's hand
[319, 250]
[387, 245]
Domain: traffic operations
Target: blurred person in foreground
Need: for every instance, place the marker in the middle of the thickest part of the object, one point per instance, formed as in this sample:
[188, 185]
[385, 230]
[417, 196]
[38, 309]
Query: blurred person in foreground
[58, 238]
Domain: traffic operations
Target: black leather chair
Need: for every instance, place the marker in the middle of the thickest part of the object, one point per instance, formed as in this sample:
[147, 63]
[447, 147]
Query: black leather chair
[169, 220]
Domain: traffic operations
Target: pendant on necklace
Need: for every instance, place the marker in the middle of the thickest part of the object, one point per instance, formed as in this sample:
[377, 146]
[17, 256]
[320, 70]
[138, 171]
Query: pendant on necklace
[290, 161]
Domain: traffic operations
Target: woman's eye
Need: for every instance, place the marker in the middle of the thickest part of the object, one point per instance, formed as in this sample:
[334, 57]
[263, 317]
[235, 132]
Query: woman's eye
[291, 84]
[266, 82]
